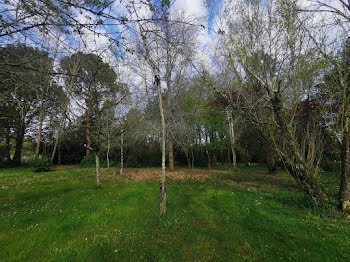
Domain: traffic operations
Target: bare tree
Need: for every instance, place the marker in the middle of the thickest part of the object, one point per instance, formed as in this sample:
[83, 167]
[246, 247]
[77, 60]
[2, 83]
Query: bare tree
[267, 46]
[332, 30]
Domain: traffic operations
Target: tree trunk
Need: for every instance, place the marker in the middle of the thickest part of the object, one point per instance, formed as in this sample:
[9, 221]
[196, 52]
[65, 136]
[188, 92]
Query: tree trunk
[213, 142]
[59, 151]
[122, 151]
[232, 138]
[292, 159]
[57, 139]
[88, 125]
[305, 180]
[108, 146]
[97, 159]
[188, 158]
[162, 201]
[19, 140]
[63, 118]
[344, 191]
[207, 151]
[215, 157]
[271, 160]
[168, 83]
[41, 120]
[8, 145]
[192, 154]
[171, 153]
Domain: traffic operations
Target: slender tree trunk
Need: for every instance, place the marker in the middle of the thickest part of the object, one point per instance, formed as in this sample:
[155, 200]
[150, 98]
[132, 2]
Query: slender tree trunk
[57, 139]
[187, 154]
[232, 138]
[215, 157]
[168, 83]
[213, 142]
[19, 140]
[121, 153]
[63, 118]
[108, 146]
[344, 191]
[59, 155]
[228, 156]
[19, 145]
[88, 126]
[41, 120]
[98, 174]
[199, 146]
[8, 145]
[192, 154]
[162, 198]
[207, 151]
[162, 203]
[44, 91]
[122, 145]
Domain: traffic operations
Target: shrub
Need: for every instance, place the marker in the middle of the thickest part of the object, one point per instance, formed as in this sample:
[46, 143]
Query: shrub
[40, 164]
[88, 161]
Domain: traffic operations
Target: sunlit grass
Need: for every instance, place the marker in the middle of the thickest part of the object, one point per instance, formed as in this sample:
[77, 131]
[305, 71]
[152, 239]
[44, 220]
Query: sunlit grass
[62, 216]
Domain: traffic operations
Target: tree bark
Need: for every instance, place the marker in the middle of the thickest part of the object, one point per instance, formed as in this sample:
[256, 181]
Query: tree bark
[97, 160]
[122, 146]
[19, 145]
[207, 151]
[155, 69]
[292, 159]
[58, 137]
[162, 203]
[8, 145]
[192, 154]
[59, 151]
[88, 126]
[168, 83]
[344, 191]
[232, 138]
[19, 140]
[271, 160]
[108, 145]
[41, 120]
[188, 159]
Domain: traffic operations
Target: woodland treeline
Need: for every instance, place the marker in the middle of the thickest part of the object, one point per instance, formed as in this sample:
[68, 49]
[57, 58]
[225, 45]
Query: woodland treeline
[275, 88]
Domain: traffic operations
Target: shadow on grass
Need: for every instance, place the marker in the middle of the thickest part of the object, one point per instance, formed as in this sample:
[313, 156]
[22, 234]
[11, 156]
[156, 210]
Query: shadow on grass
[261, 179]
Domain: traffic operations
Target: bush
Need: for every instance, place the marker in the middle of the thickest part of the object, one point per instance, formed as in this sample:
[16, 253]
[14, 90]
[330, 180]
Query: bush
[40, 164]
[88, 161]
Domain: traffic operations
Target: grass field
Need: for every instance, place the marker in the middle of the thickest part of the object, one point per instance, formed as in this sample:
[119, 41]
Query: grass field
[247, 215]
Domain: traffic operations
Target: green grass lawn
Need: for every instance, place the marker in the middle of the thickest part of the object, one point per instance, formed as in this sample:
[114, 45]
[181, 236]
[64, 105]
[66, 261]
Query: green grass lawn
[247, 215]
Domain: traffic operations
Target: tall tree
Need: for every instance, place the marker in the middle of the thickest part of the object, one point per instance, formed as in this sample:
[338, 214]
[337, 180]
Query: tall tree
[21, 77]
[70, 67]
[268, 46]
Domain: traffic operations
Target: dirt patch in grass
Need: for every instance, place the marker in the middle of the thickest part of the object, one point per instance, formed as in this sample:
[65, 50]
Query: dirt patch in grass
[64, 167]
[263, 179]
[136, 175]
[241, 177]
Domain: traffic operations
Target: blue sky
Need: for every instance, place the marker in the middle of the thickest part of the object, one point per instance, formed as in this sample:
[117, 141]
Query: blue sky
[213, 9]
